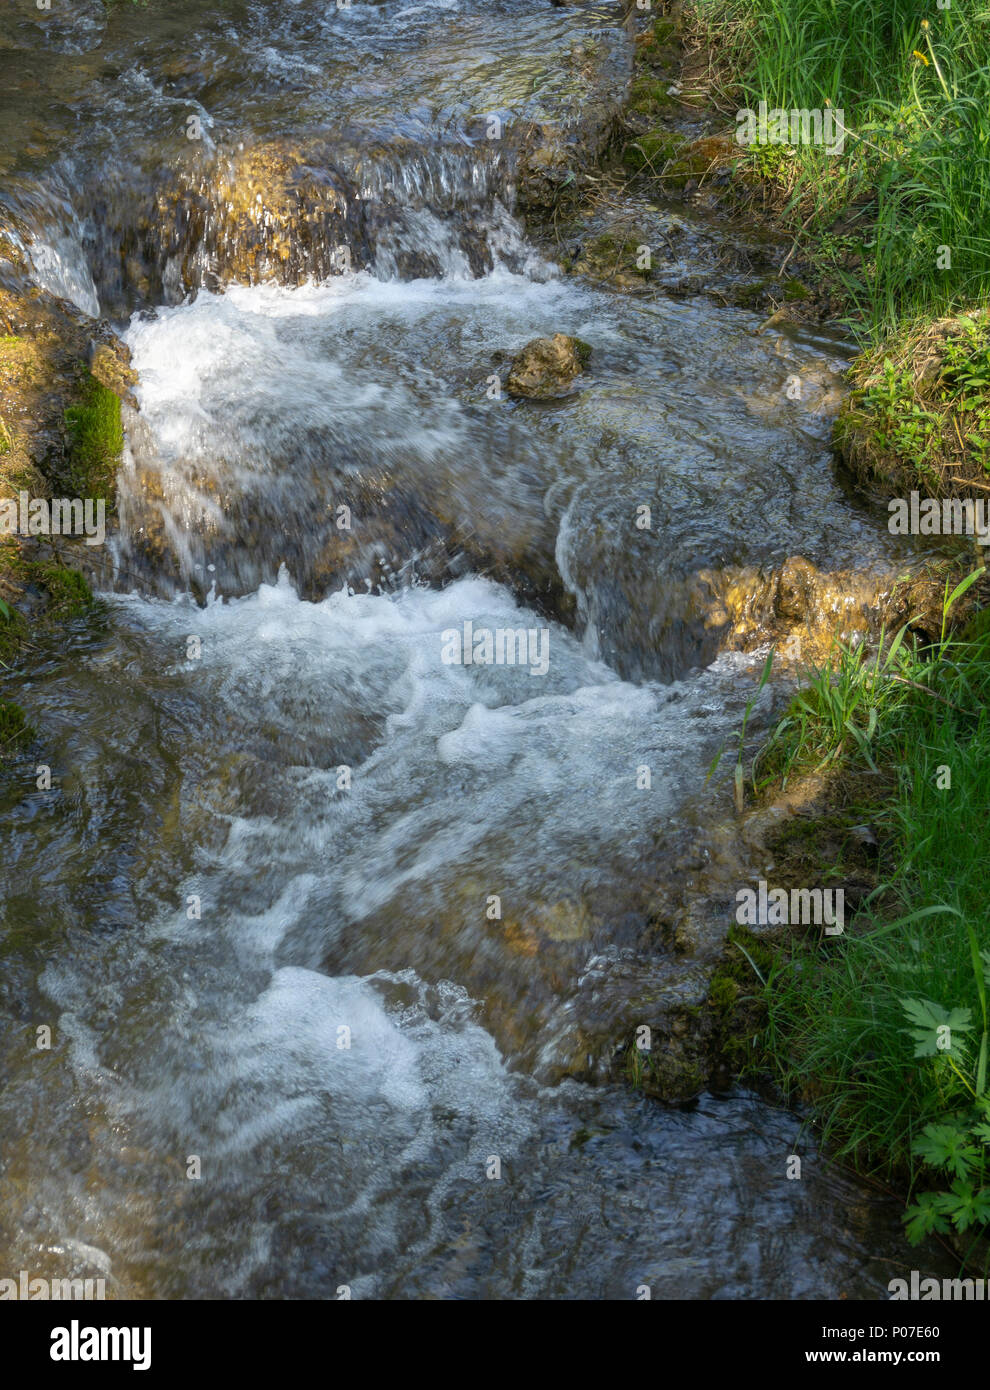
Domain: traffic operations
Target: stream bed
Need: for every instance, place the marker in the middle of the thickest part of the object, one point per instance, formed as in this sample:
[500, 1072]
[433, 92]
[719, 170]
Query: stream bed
[255, 907]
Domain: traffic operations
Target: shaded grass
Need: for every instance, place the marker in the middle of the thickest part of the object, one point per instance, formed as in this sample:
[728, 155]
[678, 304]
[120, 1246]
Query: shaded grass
[919, 412]
[69, 595]
[843, 1015]
[900, 219]
[15, 731]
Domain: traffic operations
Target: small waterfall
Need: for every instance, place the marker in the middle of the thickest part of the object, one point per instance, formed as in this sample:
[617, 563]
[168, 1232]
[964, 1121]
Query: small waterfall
[379, 774]
[40, 225]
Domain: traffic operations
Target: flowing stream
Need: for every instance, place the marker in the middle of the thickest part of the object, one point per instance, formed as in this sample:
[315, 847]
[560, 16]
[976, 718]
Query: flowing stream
[254, 905]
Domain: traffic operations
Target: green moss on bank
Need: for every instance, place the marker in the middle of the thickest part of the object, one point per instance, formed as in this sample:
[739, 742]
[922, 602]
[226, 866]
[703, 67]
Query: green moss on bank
[96, 440]
[919, 413]
[735, 1006]
[13, 632]
[881, 1029]
[672, 1070]
[15, 731]
[61, 435]
[68, 592]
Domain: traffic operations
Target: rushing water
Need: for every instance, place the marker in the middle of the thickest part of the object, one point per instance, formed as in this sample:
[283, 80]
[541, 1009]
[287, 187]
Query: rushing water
[253, 906]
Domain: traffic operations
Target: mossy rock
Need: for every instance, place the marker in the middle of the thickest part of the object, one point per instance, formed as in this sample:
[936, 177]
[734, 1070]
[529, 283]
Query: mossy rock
[664, 31]
[651, 44]
[13, 632]
[582, 351]
[652, 151]
[666, 1073]
[698, 160]
[750, 296]
[110, 365]
[96, 441]
[546, 367]
[609, 257]
[648, 96]
[15, 731]
[735, 1004]
[69, 595]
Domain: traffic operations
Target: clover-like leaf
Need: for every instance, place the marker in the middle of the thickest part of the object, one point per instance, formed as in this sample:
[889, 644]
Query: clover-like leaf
[947, 1146]
[924, 1219]
[928, 1018]
[965, 1205]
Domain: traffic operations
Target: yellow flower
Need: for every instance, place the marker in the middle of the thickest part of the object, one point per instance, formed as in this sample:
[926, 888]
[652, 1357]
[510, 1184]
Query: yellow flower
[916, 54]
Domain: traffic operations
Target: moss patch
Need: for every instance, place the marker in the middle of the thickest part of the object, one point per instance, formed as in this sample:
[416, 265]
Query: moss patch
[919, 414]
[671, 1071]
[648, 97]
[13, 631]
[96, 440]
[735, 1006]
[15, 731]
[795, 291]
[651, 152]
[611, 256]
[68, 592]
[62, 379]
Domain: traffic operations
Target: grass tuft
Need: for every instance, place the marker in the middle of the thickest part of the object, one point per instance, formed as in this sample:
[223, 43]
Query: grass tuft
[899, 220]
[884, 1029]
[96, 439]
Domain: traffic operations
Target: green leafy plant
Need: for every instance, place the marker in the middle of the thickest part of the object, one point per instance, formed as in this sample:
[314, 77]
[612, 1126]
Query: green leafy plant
[955, 1149]
[884, 1032]
[913, 180]
[843, 704]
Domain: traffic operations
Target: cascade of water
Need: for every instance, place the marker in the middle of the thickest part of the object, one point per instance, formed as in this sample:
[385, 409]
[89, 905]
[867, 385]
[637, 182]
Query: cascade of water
[341, 935]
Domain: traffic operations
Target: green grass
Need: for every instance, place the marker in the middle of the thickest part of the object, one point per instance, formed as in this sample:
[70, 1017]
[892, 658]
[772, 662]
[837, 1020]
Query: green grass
[853, 703]
[15, 731]
[96, 439]
[69, 595]
[13, 631]
[914, 178]
[919, 411]
[853, 1024]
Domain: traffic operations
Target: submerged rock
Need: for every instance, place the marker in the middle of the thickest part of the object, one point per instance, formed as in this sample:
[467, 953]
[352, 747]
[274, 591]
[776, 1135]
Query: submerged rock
[545, 369]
